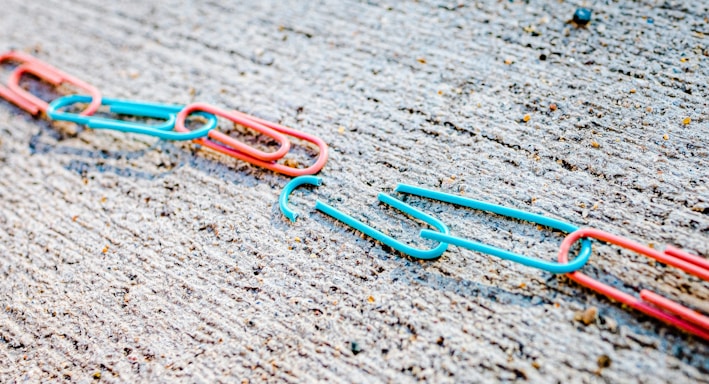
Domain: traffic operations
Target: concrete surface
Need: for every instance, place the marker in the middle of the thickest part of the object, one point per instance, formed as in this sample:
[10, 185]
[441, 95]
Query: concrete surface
[127, 259]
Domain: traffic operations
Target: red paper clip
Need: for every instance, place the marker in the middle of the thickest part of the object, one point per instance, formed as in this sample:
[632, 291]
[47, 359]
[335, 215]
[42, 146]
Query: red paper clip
[230, 150]
[228, 141]
[650, 303]
[54, 77]
[11, 96]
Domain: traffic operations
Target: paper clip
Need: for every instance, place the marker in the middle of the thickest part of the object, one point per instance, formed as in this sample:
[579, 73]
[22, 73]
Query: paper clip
[231, 150]
[6, 93]
[228, 141]
[649, 303]
[386, 239]
[548, 266]
[366, 229]
[46, 72]
[133, 108]
[288, 189]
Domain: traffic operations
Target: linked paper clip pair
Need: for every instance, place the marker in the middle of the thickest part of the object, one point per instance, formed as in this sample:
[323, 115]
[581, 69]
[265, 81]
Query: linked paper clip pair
[649, 302]
[443, 235]
[174, 118]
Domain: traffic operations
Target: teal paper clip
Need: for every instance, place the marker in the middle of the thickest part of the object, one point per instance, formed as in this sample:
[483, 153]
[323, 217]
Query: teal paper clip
[386, 239]
[364, 228]
[548, 266]
[132, 108]
[288, 189]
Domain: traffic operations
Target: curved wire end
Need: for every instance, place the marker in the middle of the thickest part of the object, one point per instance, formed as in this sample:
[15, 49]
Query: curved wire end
[288, 189]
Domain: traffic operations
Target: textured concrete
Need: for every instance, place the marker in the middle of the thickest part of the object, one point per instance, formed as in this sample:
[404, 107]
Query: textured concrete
[127, 259]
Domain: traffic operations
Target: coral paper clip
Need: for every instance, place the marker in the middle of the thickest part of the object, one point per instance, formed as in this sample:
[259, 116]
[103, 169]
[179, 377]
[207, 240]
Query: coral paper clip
[548, 266]
[649, 302]
[6, 93]
[228, 149]
[133, 108]
[32, 103]
[227, 141]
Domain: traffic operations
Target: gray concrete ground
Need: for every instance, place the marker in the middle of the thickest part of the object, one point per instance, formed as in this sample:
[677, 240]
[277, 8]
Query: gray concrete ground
[128, 259]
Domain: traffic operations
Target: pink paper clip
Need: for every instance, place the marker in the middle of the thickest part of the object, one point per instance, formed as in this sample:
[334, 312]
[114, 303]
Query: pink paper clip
[11, 96]
[649, 303]
[229, 141]
[30, 103]
[221, 145]
[54, 77]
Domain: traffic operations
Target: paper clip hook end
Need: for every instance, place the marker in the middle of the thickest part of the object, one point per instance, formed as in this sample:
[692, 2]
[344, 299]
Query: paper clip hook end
[288, 189]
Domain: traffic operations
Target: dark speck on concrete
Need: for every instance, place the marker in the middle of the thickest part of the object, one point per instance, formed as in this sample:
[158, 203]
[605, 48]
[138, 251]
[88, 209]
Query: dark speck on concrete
[355, 347]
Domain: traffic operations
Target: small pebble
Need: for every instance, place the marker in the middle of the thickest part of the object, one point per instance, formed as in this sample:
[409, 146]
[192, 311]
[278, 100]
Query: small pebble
[586, 317]
[589, 315]
[686, 121]
[666, 137]
[526, 118]
[582, 16]
[552, 107]
[604, 361]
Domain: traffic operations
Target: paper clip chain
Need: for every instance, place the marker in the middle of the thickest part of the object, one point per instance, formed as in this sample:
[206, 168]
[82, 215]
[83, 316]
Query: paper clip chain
[649, 303]
[174, 115]
[548, 266]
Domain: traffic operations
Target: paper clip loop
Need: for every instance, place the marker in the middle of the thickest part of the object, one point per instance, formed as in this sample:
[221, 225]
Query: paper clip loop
[224, 144]
[548, 266]
[46, 72]
[386, 239]
[649, 303]
[228, 141]
[133, 108]
[11, 96]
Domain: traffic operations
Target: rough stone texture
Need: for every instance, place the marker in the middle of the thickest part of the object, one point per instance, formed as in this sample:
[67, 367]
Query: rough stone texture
[125, 259]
